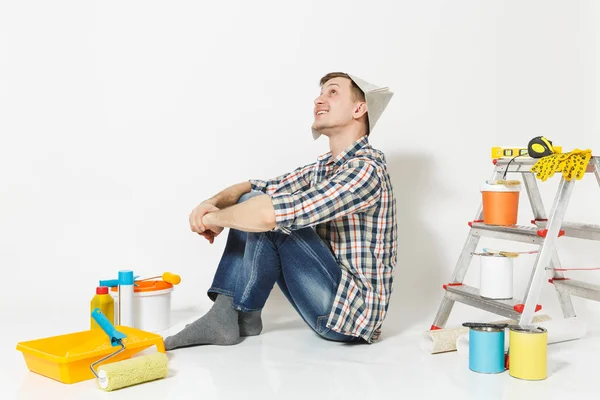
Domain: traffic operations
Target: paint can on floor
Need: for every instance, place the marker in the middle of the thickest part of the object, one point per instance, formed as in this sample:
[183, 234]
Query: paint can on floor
[527, 352]
[151, 305]
[486, 347]
[496, 277]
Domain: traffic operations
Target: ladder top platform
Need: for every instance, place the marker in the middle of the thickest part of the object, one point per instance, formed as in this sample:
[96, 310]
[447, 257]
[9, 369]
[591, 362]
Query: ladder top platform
[517, 164]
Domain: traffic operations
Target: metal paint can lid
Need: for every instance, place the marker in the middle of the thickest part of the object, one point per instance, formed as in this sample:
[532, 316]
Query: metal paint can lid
[487, 329]
[527, 329]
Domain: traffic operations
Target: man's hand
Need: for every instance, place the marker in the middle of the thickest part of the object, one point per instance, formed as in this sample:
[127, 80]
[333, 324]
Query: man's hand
[197, 225]
[211, 229]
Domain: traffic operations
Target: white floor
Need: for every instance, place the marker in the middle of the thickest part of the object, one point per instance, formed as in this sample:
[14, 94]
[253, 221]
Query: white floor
[289, 362]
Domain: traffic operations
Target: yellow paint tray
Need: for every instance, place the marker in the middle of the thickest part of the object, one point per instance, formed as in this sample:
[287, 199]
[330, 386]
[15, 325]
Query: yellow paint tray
[67, 358]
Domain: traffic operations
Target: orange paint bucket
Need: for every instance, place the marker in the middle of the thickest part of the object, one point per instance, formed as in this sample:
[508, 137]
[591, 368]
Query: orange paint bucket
[500, 203]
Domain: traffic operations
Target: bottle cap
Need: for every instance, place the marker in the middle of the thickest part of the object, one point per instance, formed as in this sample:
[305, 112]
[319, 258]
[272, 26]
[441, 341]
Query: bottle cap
[126, 277]
[102, 290]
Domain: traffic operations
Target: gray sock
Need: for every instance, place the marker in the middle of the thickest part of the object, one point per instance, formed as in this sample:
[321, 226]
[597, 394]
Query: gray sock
[219, 326]
[250, 323]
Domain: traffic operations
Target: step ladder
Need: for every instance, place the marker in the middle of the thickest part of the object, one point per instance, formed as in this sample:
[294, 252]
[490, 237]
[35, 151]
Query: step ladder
[544, 232]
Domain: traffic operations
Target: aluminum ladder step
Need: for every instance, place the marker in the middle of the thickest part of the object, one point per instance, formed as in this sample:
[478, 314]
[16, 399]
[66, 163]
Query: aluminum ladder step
[470, 296]
[582, 289]
[518, 233]
[575, 230]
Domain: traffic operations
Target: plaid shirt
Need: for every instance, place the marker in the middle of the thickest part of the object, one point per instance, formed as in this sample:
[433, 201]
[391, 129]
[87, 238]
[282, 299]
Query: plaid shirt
[350, 202]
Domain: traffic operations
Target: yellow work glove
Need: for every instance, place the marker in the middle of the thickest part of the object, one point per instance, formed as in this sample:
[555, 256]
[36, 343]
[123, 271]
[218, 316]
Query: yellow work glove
[572, 165]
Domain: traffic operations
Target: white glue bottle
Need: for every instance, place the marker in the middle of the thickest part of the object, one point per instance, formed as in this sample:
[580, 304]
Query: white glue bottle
[126, 281]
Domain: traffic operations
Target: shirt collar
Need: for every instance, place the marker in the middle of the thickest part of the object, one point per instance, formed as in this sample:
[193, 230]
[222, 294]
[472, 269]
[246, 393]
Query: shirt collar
[346, 154]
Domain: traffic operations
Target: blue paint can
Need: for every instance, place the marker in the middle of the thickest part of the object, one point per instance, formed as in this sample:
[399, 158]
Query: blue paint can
[486, 347]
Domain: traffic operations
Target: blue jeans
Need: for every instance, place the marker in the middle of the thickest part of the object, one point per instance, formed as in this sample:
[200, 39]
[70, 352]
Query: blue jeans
[301, 264]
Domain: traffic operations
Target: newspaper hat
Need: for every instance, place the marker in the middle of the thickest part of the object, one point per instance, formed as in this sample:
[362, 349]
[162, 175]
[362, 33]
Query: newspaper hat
[377, 99]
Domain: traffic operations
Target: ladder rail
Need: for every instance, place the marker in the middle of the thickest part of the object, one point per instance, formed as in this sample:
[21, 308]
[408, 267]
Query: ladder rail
[539, 213]
[597, 169]
[564, 298]
[547, 249]
[462, 265]
[458, 275]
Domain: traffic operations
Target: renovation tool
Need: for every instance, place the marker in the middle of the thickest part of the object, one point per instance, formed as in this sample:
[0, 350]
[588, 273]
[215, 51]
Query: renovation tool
[527, 352]
[129, 372]
[444, 340]
[573, 164]
[510, 152]
[559, 330]
[67, 358]
[125, 315]
[496, 276]
[169, 277]
[505, 182]
[539, 147]
[544, 232]
[508, 253]
[105, 303]
[486, 347]
[151, 304]
[500, 203]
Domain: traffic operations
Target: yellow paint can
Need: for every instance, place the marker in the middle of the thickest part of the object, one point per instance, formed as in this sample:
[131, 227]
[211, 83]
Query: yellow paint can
[527, 352]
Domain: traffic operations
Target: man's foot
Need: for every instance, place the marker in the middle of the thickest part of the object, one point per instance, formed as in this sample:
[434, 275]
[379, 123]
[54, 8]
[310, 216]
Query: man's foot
[250, 323]
[219, 327]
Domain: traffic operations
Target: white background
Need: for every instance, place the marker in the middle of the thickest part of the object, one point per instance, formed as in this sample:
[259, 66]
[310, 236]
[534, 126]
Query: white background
[117, 118]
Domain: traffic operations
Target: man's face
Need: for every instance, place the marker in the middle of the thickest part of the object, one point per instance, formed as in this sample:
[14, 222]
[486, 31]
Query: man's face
[335, 108]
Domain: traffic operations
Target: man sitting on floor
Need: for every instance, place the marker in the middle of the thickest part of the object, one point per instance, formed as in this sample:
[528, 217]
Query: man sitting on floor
[325, 233]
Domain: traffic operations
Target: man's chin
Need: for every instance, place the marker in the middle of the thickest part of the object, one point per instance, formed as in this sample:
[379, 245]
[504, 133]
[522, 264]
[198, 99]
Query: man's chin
[321, 129]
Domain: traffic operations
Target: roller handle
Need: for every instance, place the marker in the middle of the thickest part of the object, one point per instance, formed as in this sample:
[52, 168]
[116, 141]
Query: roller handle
[109, 283]
[112, 282]
[168, 277]
[108, 328]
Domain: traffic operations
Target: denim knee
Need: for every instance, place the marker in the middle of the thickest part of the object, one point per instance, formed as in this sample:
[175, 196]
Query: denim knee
[249, 195]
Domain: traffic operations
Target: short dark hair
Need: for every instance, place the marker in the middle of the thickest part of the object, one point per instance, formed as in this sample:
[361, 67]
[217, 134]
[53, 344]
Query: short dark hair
[358, 93]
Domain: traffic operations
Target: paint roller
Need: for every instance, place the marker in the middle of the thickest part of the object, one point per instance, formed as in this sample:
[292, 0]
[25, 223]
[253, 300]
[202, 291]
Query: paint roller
[128, 372]
[168, 277]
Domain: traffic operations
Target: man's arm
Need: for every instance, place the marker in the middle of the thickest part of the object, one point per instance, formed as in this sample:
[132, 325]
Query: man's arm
[355, 187]
[298, 179]
[230, 196]
[223, 199]
[254, 215]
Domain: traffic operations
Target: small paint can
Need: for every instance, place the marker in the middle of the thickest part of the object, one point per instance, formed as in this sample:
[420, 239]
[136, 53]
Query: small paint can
[496, 277]
[486, 348]
[527, 352]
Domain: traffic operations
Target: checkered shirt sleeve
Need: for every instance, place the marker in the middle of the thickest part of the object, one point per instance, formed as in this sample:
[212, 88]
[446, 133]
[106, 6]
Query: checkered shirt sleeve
[291, 182]
[353, 188]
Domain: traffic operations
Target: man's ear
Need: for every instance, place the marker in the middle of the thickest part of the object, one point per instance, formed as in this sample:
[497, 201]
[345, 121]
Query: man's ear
[360, 109]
